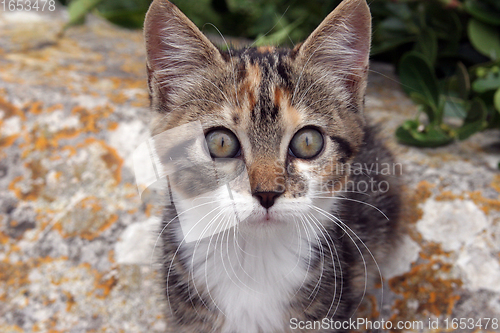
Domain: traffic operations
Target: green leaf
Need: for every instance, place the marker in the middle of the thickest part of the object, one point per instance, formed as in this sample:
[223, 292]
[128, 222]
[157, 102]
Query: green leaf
[411, 133]
[427, 45]
[387, 45]
[475, 120]
[458, 85]
[417, 76]
[491, 81]
[126, 13]
[393, 24]
[279, 37]
[496, 100]
[485, 38]
[463, 81]
[78, 9]
[424, 105]
[401, 10]
[454, 107]
[482, 11]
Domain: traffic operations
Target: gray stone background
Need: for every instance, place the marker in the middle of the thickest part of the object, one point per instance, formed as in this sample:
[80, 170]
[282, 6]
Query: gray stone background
[76, 239]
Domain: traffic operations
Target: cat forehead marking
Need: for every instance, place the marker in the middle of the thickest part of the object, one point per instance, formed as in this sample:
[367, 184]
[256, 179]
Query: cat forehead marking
[263, 83]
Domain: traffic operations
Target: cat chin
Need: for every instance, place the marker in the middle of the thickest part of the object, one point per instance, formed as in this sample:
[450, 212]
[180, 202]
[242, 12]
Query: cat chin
[267, 220]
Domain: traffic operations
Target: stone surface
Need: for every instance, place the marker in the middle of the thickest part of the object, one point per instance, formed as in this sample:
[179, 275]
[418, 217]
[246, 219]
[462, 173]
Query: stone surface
[76, 240]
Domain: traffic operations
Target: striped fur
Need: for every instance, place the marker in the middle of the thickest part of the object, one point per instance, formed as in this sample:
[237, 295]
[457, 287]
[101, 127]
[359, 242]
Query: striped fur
[306, 266]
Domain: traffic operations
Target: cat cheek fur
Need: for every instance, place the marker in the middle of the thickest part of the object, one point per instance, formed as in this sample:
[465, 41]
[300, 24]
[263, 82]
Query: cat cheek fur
[307, 263]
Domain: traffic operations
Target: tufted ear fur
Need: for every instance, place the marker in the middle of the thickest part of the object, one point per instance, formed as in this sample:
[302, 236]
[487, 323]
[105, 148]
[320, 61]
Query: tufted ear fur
[177, 54]
[340, 45]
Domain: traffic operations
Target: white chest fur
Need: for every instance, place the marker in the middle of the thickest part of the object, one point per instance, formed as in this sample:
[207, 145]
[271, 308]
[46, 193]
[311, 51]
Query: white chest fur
[251, 278]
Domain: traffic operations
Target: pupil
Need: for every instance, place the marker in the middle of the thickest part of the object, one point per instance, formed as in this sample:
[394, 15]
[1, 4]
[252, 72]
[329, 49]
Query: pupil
[307, 141]
[222, 142]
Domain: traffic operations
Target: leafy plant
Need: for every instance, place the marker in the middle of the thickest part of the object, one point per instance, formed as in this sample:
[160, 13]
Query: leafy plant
[439, 82]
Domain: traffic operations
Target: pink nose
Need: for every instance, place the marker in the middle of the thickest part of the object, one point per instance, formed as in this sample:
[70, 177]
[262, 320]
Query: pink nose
[267, 198]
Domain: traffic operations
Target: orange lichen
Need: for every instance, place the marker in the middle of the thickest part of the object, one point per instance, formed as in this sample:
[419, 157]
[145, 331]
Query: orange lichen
[90, 118]
[110, 157]
[423, 191]
[37, 181]
[13, 328]
[112, 125]
[485, 204]
[10, 110]
[448, 196]
[7, 141]
[36, 107]
[4, 239]
[104, 284]
[70, 300]
[14, 276]
[496, 183]
[88, 219]
[118, 98]
[432, 249]
[425, 284]
[55, 107]
[412, 212]
[111, 256]
[114, 163]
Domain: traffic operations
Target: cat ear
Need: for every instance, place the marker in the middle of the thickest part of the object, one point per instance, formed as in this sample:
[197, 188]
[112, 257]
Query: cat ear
[341, 43]
[177, 52]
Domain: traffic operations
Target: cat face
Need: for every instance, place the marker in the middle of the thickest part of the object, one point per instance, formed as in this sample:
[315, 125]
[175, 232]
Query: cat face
[283, 121]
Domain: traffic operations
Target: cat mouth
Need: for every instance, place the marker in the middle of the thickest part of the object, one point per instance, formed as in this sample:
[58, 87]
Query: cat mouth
[268, 218]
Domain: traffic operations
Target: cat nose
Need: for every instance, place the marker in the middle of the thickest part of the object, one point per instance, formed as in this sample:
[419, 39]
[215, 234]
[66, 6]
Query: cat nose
[267, 198]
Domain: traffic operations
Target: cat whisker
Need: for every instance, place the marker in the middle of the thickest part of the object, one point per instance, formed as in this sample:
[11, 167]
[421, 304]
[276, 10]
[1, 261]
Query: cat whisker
[181, 243]
[310, 86]
[343, 226]
[364, 203]
[327, 214]
[274, 26]
[310, 250]
[335, 193]
[168, 223]
[223, 259]
[214, 250]
[313, 293]
[208, 251]
[389, 78]
[229, 261]
[299, 241]
[236, 244]
[331, 243]
[281, 24]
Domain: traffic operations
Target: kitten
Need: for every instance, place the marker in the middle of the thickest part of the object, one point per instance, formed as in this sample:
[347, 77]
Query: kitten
[296, 238]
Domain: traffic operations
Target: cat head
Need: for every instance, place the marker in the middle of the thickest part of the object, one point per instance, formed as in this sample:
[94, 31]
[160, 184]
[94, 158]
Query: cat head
[290, 117]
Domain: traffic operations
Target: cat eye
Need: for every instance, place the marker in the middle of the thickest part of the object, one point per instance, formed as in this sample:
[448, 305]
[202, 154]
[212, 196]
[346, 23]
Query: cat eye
[222, 143]
[306, 143]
